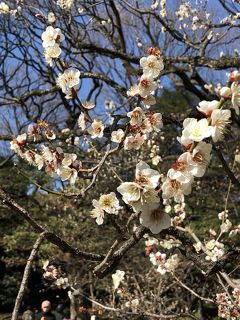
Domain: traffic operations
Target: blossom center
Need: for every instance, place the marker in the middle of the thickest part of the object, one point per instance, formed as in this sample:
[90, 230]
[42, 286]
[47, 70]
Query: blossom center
[156, 214]
[198, 158]
[179, 166]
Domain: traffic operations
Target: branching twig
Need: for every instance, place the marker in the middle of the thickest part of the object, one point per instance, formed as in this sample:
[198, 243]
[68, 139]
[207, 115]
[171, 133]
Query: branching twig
[50, 236]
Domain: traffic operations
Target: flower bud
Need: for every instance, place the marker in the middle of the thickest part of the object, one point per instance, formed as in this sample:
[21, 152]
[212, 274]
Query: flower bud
[235, 75]
[154, 51]
[39, 16]
[225, 92]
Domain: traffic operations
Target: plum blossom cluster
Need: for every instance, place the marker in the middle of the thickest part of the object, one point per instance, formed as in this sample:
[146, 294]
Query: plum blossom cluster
[180, 212]
[52, 160]
[189, 17]
[68, 81]
[65, 4]
[144, 199]
[5, 9]
[213, 248]
[96, 128]
[55, 273]
[160, 261]
[141, 125]
[52, 37]
[151, 243]
[107, 203]
[152, 65]
[229, 306]
[194, 162]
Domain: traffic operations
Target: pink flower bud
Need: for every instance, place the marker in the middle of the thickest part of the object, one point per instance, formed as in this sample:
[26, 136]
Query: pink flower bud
[39, 16]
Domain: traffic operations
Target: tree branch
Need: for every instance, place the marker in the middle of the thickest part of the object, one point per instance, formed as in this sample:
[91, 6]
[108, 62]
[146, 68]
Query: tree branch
[26, 274]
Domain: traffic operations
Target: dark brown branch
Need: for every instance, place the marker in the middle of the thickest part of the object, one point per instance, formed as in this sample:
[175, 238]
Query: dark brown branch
[103, 269]
[26, 274]
[50, 236]
[226, 167]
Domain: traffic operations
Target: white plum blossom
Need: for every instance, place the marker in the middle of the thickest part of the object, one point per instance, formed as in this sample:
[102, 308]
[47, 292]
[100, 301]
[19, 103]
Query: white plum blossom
[29, 156]
[51, 53]
[34, 132]
[117, 136]
[207, 107]
[214, 250]
[152, 66]
[157, 258]
[82, 121]
[130, 191]
[162, 264]
[181, 170]
[196, 130]
[156, 159]
[136, 116]
[134, 142]
[223, 215]
[172, 262]
[170, 243]
[133, 91]
[97, 213]
[51, 17]
[156, 121]
[39, 161]
[150, 241]
[52, 36]
[199, 158]
[146, 85]
[68, 80]
[18, 144]
[147, 196]
[50, 134]
[47, 154]
[185, 142]
[149, 100]
[219, 120]
[144, 199]
[176, 189]
[154, 218]
[65, 4]
[225, 92]
[117, 278]
[146, 126]
[226, 226]
[96, 129]
[235, 231]
[4, 8]
[109, 203]
[198, 246]
[235, 88]
[146, 177]
[67, 173]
